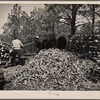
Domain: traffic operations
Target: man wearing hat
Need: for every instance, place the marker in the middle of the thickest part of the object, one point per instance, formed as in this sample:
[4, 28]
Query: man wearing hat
[37, 44]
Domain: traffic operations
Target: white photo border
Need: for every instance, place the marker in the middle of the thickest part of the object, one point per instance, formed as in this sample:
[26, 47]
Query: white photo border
[50, 94]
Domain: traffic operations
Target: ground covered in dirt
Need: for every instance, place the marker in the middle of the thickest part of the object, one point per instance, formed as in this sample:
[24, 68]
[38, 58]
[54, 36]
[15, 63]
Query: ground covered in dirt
[54, 69]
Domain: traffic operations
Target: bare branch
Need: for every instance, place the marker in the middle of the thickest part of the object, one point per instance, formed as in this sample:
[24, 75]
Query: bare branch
[80, 25]
[97, 14]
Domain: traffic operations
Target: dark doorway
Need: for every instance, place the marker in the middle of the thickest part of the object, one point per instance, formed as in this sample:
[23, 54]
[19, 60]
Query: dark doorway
[45, 44]
[61, 43]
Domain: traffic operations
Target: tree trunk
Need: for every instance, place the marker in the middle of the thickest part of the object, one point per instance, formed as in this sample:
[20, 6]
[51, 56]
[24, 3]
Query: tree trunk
[73, 27]
[93, 18]
[74, 12]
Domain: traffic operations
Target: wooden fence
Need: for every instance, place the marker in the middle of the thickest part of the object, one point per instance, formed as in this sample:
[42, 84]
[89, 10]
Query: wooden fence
[89, 46]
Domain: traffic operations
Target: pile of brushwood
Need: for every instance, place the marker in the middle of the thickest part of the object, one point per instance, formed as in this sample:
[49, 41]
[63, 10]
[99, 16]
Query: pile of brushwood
[54, 69]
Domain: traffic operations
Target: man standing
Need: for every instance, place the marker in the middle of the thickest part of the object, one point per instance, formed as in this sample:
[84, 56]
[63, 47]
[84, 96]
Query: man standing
[17, 45]
[37, 44]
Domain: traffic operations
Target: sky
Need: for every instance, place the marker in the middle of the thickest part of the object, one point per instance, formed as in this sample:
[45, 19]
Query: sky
[6, 8]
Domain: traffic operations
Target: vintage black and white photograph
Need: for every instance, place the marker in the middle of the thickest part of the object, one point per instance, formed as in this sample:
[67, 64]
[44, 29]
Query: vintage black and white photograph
[50, 47]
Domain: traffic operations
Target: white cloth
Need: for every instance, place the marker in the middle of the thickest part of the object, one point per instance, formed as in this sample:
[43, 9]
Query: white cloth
[17, 44]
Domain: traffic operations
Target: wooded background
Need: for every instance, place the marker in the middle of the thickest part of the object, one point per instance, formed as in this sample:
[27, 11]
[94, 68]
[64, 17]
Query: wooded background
[54, 20]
